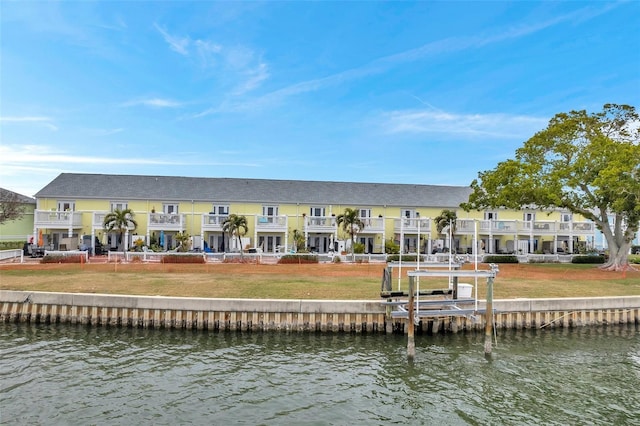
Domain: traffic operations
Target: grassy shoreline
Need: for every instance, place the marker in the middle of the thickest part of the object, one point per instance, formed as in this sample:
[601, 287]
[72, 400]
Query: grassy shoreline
[324, 281]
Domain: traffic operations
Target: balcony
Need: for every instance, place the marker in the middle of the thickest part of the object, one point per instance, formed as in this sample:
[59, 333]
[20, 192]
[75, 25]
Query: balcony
[213, 222]
[271, 223]
[325, 224]
[577, 228]
[411, 225]
[373, 225]
[166, 222]
[511, 227]
[56, 219]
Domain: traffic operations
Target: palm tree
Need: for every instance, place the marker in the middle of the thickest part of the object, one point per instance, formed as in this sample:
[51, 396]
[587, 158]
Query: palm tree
[120, 221]
[184, 241]
[235, 225]
[351, 224]
[446, 219]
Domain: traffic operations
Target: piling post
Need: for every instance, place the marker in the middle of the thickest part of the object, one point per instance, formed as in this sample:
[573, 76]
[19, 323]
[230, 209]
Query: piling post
[488, 315]
[411, 344]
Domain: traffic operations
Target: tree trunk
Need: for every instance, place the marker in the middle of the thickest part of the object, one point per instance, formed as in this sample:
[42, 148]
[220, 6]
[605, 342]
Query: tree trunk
[618, 256]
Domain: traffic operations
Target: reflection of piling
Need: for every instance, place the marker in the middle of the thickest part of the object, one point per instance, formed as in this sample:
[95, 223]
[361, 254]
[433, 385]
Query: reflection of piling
[411, 345]
[488, 315]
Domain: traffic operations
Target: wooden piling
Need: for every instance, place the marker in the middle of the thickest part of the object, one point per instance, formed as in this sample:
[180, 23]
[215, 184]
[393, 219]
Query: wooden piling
[488, 327]
[411, 344]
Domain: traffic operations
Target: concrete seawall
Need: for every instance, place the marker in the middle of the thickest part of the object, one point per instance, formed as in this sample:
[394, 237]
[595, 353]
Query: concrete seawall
[358, 316]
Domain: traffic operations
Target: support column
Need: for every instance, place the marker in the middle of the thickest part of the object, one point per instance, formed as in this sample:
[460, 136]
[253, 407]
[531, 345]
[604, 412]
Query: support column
[411, 344]
[488, 317]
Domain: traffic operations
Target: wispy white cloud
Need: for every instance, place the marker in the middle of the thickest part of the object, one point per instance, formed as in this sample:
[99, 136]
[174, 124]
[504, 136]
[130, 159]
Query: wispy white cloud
[36, 155]
[154, 103]
[383, 64]
[503, 126]
[44, 121]
[177, 44]
[108, 132]
[240, 64]
[255, 77]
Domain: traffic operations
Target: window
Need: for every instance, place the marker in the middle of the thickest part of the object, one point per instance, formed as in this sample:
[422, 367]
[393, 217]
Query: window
[566, 217]
[364, 213]
[119, 205]
[529, 217]
[66, 206]
[270, 210]
[490, 216]
[409, 213]
[170, 208]
[220, 209]
[316, 211]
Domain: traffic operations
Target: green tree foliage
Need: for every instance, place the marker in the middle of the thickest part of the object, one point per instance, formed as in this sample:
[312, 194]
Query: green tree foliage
[11, 207]
[350, 223]
[298, 240]
[587, 163]
[445, 220]
[236, 225]
[184, 241]
[119, 221]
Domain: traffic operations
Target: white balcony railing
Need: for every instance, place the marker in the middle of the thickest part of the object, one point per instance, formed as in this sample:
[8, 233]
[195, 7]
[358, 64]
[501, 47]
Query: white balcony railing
[409, 225]
[321, 223]
[271, 223]
[537, 227]
[166, 221]
[213, 222]
[57, 219]
[373, 224]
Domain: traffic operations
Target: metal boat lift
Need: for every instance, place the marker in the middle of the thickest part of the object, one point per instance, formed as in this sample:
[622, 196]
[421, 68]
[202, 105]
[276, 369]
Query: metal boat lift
[409, 306]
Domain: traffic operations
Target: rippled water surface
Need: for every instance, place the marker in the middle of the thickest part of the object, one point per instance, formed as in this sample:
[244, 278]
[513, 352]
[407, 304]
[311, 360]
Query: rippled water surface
[59, 374]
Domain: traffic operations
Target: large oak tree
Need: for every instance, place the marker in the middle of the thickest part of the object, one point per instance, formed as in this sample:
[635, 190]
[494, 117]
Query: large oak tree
[587, 163]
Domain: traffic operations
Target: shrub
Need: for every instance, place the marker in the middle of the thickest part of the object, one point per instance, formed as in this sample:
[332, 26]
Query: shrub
[336, 259]
[634, 259]
[500, 258]
[588, 259]
[358, 248]
[11, 245]
[58, 258]
[292, 258]
[173, 258]
[390, 247]
[405, 258]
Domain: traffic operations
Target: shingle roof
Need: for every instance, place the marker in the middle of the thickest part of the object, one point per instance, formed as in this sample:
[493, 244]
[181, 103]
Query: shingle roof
[20, 198]
[173, 188]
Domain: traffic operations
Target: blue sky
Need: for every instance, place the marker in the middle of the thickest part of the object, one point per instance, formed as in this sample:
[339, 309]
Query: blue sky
[396, 92]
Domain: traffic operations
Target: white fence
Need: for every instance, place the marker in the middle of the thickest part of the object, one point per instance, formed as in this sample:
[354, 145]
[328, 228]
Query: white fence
[14, 254]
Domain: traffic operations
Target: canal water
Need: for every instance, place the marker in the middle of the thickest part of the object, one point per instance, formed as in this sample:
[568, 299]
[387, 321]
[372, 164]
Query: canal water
[77, 375]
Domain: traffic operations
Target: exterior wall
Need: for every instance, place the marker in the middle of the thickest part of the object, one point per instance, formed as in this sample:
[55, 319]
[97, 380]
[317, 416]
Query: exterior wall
[191, 213]
[19, 229]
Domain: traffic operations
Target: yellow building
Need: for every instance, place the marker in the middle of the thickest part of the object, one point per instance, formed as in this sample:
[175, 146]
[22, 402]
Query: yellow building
[18, 229]
[71, 209]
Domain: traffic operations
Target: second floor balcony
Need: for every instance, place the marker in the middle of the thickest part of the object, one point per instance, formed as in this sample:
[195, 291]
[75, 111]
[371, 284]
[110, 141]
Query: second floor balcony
[324, 224]
[166, 222]
[524, 227]
[412, 225]
[57, 219]
[267, 223]
[213, 222]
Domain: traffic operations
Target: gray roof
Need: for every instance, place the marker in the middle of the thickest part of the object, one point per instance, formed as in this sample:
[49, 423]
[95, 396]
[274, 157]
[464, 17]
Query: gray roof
[175, 188]
[20, 198]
